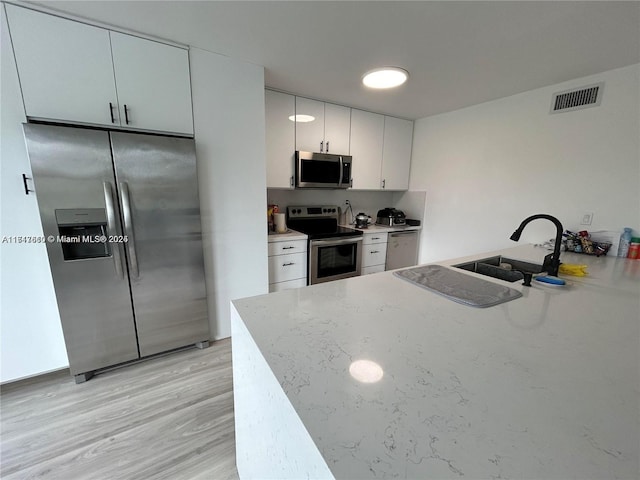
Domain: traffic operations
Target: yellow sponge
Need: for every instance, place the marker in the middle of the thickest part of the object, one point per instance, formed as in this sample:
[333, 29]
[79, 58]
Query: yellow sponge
[573, 269]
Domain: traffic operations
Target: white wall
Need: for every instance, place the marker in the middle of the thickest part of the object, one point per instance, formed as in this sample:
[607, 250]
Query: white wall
[229, 119]
[31, 340]
[487, 167]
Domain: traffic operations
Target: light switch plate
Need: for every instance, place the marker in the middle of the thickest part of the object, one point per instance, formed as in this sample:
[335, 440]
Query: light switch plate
[587, 218]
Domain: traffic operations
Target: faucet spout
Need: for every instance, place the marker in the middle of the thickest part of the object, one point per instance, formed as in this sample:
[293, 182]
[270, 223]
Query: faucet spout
[551, 262]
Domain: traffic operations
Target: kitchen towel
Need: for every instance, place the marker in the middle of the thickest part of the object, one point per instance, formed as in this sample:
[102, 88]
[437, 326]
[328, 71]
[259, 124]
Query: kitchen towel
[459, 287]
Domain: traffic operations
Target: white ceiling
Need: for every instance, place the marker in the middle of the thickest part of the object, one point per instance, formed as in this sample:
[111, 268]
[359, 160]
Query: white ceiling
[458, 53]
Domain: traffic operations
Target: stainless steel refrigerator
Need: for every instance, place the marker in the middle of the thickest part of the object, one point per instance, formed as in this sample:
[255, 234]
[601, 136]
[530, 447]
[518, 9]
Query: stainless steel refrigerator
[142, 291]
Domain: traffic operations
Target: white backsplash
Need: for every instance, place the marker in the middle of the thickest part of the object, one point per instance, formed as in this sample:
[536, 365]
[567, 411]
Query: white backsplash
[369, 202]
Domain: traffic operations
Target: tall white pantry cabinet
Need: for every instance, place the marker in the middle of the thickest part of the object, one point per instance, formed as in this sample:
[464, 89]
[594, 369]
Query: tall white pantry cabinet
[74, 72]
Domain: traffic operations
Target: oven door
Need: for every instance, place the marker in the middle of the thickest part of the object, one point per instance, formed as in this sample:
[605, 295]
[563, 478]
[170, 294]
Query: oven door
[334, 258]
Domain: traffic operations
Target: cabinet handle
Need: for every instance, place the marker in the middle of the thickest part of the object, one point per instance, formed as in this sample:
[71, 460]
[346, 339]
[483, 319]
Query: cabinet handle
[383, 182]
[374, 251]
[327, 146]
[113, 119]
[321, 145]
[287, 248]
[291, 181]
[288, 264]
[375, 238]
[26, 185]
[126, 115]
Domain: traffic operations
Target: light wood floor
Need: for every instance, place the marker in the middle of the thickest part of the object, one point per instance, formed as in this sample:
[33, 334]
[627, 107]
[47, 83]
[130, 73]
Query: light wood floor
[170, 417]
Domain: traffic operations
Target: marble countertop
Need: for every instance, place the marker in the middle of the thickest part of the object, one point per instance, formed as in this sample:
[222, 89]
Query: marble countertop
[381, 228]
[546, 386]
[288, 236]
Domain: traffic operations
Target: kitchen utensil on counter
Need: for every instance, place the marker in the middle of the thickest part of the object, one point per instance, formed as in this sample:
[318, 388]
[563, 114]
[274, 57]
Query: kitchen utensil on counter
[362, 220]
[279, 221]
[390, 217]
[573, 269]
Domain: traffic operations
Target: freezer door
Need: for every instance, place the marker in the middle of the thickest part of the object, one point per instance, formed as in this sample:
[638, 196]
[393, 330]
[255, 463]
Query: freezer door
[158, 194]
[402, 250]
[75, 189]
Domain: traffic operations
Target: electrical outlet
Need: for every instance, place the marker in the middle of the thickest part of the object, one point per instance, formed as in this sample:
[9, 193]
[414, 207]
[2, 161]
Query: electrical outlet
[587, 218]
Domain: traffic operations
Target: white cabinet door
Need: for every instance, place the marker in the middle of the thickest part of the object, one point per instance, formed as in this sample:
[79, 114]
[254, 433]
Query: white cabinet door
[371, 238]
[337, 122]
[153, 84]
[281, 138]
[375, 254]
[367, 131]
[64, 66]
[283, 268]
[288, 285]
[396, 153]
[373, 269]
[310, 134]
[285, 248]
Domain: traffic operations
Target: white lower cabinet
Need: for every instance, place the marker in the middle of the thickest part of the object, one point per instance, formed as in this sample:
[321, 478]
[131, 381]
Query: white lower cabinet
[374, 252]
[278, 287]
[287, 265]
[373, 269]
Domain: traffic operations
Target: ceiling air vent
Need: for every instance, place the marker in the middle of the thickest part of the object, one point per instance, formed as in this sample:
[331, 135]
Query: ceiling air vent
[577, 98]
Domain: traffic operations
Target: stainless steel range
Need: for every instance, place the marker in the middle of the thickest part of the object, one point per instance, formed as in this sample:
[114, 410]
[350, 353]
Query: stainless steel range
[334, 251]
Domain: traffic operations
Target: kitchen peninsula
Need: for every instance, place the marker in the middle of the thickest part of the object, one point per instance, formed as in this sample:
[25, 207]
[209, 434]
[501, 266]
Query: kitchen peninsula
[544, 386]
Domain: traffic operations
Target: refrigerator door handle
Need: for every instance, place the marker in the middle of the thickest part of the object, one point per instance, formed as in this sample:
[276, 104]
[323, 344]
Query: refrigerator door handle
[128, 227]
[111, 227]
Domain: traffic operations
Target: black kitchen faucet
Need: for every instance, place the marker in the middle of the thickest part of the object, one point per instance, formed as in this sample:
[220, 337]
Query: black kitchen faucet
[552, 261]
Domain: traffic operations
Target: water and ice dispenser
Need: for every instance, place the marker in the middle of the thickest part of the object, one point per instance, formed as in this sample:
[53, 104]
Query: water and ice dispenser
[83, 233]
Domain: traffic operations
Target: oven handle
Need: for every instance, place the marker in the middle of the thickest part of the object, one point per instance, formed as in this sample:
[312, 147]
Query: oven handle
[340, 241]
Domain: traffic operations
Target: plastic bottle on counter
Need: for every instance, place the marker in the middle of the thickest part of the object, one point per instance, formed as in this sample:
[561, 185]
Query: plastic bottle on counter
[625, 240]
[634, 249]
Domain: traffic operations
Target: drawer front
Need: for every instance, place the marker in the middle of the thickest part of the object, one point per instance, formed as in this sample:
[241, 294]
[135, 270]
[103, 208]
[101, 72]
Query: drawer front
[287, 267]
[375, 254]
[371, 238]
[373, 269]
[278, 287]
[287, 248]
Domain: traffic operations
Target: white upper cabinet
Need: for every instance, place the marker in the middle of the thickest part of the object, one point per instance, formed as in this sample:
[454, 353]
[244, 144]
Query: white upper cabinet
[154, 89]
[396, 153]
[337, 120]
[367, 132]
[65, 68]
[281, 138]
[309, 125]
[325, 127]
[380, 145]
[72, 72]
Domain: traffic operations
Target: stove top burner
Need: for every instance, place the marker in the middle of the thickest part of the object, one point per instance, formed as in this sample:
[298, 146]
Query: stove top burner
[318, 222]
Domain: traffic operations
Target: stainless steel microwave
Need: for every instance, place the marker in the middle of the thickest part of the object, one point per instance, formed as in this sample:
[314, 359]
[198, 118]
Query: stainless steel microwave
[322, 170]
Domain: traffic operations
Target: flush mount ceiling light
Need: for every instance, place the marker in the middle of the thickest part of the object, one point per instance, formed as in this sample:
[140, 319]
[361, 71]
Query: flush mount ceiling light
[385, 77]
[366, 371]
[302, 118]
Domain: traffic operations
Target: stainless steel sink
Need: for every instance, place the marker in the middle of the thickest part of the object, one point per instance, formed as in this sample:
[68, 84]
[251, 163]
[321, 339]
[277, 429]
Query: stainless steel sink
[500, 267]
